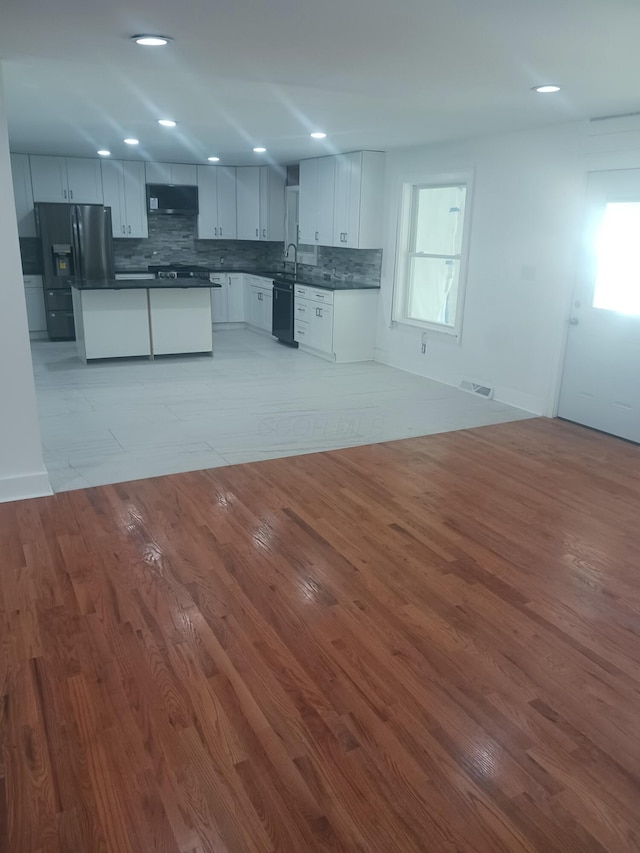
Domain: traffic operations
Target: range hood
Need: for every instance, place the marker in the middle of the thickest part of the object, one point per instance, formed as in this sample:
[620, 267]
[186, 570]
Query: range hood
[172, 198]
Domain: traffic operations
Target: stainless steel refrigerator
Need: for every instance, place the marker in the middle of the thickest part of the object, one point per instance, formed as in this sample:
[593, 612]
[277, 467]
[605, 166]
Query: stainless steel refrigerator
[77, 242]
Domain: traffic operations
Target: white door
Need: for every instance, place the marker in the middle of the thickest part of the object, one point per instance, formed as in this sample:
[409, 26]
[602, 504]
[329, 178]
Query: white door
[321, 328]
[601, 380]
[227, 225]
[113, 186]
[84, 177]
[326, 199]
[49, 179]
[135, 199]
[308, 202]
[207, 202]
[248, 198]
[236, 298]
[341, 209]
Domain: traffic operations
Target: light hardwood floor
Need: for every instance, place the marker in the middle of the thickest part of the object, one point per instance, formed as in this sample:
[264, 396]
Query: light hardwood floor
[256, 399]
[426, 645]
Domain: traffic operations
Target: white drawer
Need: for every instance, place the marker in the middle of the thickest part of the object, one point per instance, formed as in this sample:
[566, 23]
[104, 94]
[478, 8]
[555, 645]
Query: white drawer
[301, 291]
[32, 281]
[318, 295]
[300, 331]
[218, 278]
[302, 309]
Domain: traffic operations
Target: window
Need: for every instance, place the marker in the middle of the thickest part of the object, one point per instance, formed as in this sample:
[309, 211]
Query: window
[617, 286]
[430, 272]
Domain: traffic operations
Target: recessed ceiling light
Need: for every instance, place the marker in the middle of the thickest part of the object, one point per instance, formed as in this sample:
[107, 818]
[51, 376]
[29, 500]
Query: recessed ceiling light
[213, 159]
[546, 89]
[259, 150]
[318, 134]
[167, 122]
[104, 153]
[151, 41]
[131, 141]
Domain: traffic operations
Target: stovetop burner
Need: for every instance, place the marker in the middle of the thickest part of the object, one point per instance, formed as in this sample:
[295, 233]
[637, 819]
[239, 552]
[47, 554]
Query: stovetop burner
[170, 271]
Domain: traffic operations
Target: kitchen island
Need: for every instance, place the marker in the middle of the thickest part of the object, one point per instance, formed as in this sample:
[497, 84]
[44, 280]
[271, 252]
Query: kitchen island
[119, 318]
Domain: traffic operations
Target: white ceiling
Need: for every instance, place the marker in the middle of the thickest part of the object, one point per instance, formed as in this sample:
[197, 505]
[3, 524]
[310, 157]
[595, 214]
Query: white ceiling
[371, 73]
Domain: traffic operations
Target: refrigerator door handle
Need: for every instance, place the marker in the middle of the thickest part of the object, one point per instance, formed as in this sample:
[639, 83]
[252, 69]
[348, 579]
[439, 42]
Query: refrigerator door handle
[76, 230]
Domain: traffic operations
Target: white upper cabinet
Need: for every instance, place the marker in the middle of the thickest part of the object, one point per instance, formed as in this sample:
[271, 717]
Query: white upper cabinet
[66, 180]
[326, 200]
[248, 197]
[181, 174]
[216, 203]
[308, 202]
[272, 204]
[125, 194]
[49, 179]
[23, 195]
[84, 178]
[341, 200]
[317, 201]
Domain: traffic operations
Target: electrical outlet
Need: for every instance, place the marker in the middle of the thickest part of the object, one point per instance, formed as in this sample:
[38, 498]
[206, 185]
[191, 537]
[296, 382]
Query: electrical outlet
[423, 347]
[221, 261]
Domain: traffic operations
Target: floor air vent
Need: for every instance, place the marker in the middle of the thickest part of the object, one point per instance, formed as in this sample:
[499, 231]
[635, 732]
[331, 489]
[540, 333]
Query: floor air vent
[474, 388]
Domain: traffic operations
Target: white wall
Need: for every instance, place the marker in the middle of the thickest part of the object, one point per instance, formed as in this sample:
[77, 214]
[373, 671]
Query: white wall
[526, 220]
[22, 471]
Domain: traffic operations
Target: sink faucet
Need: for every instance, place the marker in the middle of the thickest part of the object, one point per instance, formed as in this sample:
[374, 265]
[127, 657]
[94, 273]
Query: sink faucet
[295, 258]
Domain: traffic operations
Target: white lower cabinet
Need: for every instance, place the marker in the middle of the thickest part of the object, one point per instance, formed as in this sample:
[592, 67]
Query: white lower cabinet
[258, 302]
[111, 323]
[34, 297]
[228, 300]
[337, 325]
[180, 320]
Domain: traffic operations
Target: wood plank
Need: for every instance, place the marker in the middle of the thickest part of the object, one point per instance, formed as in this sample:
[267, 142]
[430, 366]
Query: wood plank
[428, 644]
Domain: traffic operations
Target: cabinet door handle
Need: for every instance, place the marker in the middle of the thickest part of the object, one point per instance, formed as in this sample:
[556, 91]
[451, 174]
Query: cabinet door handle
[215, 232]
[259, 297]
[264, 233]
[64, 192]
[70, 193]
[124, 230]
[129, 229]
[257, 232]
[316, 236]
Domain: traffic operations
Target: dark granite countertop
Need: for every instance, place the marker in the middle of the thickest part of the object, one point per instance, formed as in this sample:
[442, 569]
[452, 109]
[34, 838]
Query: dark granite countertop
[138, 284]
[323, 282]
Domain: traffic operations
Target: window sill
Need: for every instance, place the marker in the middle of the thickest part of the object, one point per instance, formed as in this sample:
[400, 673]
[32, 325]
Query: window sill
[433, 328]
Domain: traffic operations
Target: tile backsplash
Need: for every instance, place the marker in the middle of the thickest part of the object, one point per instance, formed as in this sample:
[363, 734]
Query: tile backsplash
[173, 240]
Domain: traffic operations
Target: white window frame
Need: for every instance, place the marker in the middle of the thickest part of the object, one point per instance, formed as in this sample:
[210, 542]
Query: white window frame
[407, 207]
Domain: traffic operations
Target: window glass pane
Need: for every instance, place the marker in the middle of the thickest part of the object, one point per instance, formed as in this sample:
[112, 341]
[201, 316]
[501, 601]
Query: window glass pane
[433, 290]
[439, 220]
[618, 259]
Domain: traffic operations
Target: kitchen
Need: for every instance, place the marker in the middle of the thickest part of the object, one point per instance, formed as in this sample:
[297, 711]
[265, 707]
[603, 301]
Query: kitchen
[180, 220]
[199, 268]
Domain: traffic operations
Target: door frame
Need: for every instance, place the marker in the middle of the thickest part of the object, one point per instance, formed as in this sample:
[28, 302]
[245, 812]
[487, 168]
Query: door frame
[608, 161]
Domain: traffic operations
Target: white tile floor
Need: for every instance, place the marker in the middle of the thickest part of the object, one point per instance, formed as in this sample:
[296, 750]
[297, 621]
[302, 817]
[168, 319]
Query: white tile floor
[123, 420]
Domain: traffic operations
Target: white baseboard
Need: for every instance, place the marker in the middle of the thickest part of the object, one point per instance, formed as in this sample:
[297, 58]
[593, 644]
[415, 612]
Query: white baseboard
[27, 486]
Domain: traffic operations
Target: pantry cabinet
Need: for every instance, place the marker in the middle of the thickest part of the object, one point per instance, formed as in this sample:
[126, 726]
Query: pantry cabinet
[217, 203]
[125, 193]
[66, 180]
